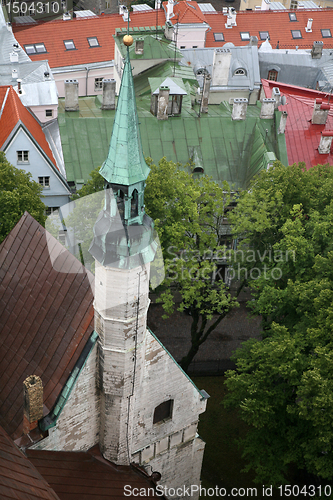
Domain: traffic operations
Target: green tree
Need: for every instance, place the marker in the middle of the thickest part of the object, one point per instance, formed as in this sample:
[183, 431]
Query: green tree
[18, 193]
[283, 384]
[93, 185]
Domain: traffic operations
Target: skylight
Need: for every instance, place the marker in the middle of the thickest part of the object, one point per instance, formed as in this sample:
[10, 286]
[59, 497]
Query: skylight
[69, 44]
[263, 35]
[218, 37]
[35, 48]
[245, 35]
[292, 16]
[326, 33]
[93, 42]
[296, 33]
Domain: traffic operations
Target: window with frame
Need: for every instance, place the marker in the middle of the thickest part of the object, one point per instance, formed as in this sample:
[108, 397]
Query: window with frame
[294, 4]
[93, 42]
[272, 75]
[98, 83]
[35, 48]
[245, 35]
[326, 33]
[69, 44]
[49, 113]
[22, 156]
[163, 411]
[240, 72]
[51, 210]
[44, 182]
[218, 37]
[263, 35]
[292, 16]
[296, 33]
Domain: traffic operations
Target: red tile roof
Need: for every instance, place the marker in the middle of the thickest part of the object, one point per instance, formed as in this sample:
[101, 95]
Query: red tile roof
[53, 34]
[302, 138]
[87, 475]
[278, 25]
[186, 12]
[19, 480]
[12, 113]
[46, 318]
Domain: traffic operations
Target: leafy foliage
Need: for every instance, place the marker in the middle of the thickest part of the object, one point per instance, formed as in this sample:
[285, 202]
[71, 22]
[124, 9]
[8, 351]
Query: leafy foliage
[18, 193]
[283, 384]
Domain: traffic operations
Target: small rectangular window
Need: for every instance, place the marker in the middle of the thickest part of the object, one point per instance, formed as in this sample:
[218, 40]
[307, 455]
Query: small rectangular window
[296, 33]
[93, 42]
[69, 44]
[245, 35]
[23, 156]
[51, 210]
[194, 46]
[98, 83]
[44, 181]
[48, 112]
[163, 411]
[292, 16]
[35, 48]
[182, 46]
[326, 33]
[30, 49]
[218, 37]
[263, 35]
[272, 75]
[40, 48]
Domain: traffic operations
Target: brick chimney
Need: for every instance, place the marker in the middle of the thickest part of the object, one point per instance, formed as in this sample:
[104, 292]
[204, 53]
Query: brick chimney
[109, 94]
[317, 50]
[33, 402]
[276, 94]
[71, 95]
[283, 122]
[162, 103]
[324, 147]
[320, 112]
[239, 109]
[267, 108]
[139, 44]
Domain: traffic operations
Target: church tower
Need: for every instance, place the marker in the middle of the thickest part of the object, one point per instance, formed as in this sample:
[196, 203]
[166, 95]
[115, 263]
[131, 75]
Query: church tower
[123, 247]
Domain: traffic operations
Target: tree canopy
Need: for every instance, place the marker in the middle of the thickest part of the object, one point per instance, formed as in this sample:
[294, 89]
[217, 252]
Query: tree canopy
[283, 384]
[18, 193]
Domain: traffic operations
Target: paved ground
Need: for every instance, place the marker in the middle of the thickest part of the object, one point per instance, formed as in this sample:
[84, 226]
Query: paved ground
[234, 329]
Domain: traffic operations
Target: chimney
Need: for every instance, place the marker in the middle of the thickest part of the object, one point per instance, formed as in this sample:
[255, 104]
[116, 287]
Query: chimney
[221, 66]
[162, 103]
[276, 94]
[14, 57]
[205, 94]
[33, 402]
[157, 4]
[228, 23]
[19, 85]
[317, 50]
[169, 10]
[283, 122]
[308, 28]
[109, 93]
[239, 109]
[139, 43]
[253, 41]
[267, 108]
[71, 95]
[265, 4]
[66, 16]
[324, 147]
[320, 112]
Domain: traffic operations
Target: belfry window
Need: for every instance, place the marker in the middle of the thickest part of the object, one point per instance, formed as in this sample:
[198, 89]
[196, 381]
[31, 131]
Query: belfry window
[120, 202]
[134, 203]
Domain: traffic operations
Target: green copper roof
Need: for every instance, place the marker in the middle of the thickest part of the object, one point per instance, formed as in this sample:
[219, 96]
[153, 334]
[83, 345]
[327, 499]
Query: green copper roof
[125, 163]
[155, 46]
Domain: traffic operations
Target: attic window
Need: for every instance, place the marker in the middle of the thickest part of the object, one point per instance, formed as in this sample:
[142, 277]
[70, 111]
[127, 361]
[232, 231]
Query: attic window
[44, 181]
[98, 83]
[245, 35]
[48, 112]
[69, 44]
[240, 72]
[326, 33]
[163, 411]
[35, 48]
[272, 75]
[93, 42]
[22, 156]
[218, 37]
[292, 16]
[263, 35]
[296, 33]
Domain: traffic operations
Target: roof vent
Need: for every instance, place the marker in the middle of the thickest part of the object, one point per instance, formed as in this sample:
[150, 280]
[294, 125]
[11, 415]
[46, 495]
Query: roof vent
[46, 74]
[14, 57]
[139, 43]
[324, 147]
[66, 16]
[14, 73]
[19, 86]
[317, 50]
[308, 28]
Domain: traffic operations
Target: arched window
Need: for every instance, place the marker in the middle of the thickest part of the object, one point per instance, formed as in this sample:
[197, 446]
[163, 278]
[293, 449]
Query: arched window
[134, 203]
[120, 202]
[240, 72]
[163, 411]
[198, 170]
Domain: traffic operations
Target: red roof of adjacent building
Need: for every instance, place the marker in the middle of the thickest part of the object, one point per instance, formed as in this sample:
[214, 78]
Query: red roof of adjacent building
[19, 480]
[53, 34]
[302, 137]
[14, 111]
[46, 317]
[186, 12]
[278, 25]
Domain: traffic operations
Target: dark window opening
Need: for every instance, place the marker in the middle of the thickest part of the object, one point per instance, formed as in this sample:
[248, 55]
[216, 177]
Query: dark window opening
[163, 411]
[272, 75]
[120, 203]
[134, 204]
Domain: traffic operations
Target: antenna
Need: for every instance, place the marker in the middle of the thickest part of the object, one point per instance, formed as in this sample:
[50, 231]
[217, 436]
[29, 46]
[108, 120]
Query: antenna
[176, 37]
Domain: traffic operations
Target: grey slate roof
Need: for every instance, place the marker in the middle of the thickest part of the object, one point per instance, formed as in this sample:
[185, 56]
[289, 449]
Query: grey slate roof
[7, 41]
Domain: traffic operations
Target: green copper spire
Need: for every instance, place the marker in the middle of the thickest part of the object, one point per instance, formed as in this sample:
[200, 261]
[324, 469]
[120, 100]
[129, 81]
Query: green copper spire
[125, 164]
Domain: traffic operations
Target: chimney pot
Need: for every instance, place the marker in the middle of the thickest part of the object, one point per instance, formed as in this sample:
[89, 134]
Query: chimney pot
[33, 402]
[239, 109]
[267, 108]
[317, 50]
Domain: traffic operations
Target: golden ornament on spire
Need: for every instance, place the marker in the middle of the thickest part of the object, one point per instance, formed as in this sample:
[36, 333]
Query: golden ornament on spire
[128, 40]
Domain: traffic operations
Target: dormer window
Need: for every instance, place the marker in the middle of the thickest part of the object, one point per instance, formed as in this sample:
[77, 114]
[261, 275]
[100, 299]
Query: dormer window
[240, 72]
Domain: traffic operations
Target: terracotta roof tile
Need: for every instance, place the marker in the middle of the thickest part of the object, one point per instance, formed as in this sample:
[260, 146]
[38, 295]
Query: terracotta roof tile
[302, 137]
[186, 13]
[278, 25]
[19, 479]
[12, 113]
[87, 475]
[53, 34]
[47, 320]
